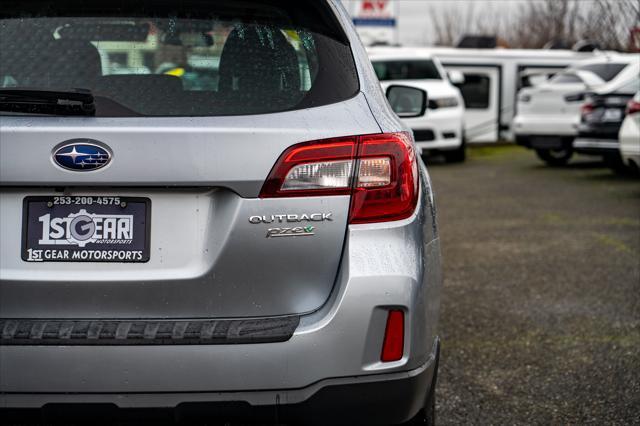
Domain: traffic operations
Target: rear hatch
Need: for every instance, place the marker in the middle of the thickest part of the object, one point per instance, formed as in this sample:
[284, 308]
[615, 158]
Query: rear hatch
[602, 115]
[554, 100]
[150, 207]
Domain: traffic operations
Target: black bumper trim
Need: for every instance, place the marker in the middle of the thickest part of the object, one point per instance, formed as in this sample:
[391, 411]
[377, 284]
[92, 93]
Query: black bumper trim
[377, 400]
[424, 135]
[146, 332]
[544, 141]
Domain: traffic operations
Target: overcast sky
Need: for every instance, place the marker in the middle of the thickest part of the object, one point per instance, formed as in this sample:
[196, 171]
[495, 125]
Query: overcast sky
[414, 24]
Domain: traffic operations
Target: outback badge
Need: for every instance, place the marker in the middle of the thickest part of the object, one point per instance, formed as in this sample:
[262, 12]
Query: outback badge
[291, 231]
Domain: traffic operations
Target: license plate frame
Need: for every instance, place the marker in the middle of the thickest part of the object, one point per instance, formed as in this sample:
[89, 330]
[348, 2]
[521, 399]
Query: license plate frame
[612, 115]
[94, 223]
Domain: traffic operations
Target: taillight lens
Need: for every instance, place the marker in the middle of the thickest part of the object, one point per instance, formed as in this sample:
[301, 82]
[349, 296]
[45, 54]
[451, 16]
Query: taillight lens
[586, 108]
[395, 200]
[379, 170]
[313, 168]
[320, 175]
[374, 172]
[633, 107]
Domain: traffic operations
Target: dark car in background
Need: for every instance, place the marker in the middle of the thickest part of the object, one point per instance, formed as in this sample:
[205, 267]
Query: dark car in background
[549, 114]
[601, 117]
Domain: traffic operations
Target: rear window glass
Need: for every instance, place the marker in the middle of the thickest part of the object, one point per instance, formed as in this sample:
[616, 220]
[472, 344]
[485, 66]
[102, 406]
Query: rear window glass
[605, 71]
[189, 59]
[406, 70]
[566, 79]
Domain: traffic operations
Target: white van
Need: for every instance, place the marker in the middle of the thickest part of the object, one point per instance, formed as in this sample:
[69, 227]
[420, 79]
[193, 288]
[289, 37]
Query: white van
[492, 79]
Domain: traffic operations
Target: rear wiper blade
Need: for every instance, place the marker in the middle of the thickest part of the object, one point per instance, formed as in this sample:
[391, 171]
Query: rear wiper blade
[36, 101]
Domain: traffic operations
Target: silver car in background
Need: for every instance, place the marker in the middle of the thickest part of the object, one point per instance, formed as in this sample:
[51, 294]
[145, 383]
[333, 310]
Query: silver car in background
[239, 229]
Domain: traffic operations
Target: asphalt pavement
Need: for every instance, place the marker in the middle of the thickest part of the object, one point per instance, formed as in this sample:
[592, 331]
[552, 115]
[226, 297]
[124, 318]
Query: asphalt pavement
[540, 315]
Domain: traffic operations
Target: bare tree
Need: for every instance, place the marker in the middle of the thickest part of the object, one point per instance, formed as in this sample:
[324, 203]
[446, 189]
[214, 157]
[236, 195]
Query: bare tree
[609, 23]
[449, 25]
[445, 25]
[537, 23]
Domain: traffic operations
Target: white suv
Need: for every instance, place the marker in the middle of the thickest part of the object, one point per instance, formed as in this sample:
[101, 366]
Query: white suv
[548, 114]
[441, 128]
[630, 135]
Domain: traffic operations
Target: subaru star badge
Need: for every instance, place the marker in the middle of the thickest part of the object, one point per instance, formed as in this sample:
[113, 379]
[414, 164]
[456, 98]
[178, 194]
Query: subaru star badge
[81, 155]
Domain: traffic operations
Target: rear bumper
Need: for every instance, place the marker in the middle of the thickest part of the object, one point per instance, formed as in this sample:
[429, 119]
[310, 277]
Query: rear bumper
[544, 141]
[596, 146]
[541, 125]
[375, 399]
[344, 339]
[598, 139]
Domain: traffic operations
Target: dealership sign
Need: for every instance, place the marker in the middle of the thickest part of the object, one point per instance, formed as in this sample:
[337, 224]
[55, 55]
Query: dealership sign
[378, 13]
[375, 20]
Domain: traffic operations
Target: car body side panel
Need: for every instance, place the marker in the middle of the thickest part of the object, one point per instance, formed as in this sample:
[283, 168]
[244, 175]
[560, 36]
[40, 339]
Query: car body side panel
[630, 138]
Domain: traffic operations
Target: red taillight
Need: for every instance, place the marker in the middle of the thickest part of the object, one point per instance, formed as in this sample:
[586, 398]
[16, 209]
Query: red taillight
[633, 107]
[393, 344]
[394, 201]
[586, 108]
[308, 154]
[379, 170]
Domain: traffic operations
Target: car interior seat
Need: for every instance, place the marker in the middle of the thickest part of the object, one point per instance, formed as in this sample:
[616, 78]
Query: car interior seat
[258, 63]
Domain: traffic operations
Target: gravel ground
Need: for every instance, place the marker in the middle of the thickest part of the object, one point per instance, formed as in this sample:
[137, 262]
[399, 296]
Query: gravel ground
[540, 314]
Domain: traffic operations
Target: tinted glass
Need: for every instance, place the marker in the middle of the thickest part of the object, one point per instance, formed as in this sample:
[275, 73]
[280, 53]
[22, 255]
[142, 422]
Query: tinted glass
[605, 71]
[475, 91]
[258, 57]
[566, 79]
[406, 70]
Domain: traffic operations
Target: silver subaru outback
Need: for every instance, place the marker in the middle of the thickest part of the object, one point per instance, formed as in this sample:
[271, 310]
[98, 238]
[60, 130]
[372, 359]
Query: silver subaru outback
[211, 210]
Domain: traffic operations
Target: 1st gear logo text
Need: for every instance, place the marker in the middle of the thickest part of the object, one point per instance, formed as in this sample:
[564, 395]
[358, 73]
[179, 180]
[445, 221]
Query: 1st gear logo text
[82, 228]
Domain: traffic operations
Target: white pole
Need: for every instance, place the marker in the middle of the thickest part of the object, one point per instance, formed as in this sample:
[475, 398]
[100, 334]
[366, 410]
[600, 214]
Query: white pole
[396, 28]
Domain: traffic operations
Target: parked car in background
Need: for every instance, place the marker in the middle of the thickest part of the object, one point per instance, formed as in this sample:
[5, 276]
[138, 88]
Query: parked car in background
[602, 114]
[629, 136]
[548, 114]
[441, 128]
[492, 78]
[259, 244]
